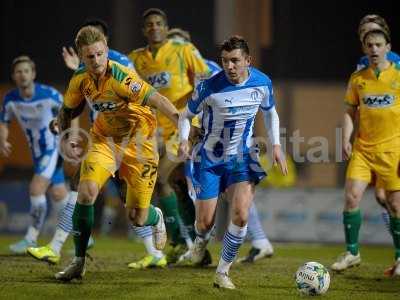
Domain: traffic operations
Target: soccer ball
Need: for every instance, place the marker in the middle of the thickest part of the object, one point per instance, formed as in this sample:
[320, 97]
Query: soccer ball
[312, 279]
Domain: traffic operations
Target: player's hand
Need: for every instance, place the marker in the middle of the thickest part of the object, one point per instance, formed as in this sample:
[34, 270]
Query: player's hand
[53, 126]
[347, 149]
[279, 158]
[5, 148]
[183, 151]
[71, 151]
[71, 59]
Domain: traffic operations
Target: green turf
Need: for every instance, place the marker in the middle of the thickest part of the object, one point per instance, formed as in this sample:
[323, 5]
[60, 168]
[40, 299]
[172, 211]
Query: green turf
[107, 277]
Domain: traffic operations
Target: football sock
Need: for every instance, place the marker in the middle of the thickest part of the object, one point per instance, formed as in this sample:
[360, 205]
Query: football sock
[38, 214]
[352, 224]
[386, 219]
[395, 229]
[186, 210]
[83, 220]
[255, 231]
[170, 209]
[152, 217]
[233, 239]
[149, 245]
[64, 225]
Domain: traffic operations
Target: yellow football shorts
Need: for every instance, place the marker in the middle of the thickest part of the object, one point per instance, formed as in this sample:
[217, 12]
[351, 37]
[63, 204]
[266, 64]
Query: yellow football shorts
[137, 165]
[383, 165]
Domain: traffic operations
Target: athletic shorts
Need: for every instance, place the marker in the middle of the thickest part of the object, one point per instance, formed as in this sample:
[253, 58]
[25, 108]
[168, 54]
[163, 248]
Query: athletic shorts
[137, 165]
[211, 178]
[384, 166]
[50, 166]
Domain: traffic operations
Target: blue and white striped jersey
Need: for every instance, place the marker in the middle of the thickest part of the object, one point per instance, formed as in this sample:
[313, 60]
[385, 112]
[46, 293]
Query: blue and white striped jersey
[229, 110]
[34, 116]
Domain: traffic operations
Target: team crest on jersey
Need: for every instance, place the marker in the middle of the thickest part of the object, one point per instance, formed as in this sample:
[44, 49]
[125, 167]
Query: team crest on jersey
[378, 100]
[135, 86]
[256, 96]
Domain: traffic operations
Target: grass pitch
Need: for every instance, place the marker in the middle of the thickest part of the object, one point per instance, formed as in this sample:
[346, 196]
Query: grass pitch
[107, 276]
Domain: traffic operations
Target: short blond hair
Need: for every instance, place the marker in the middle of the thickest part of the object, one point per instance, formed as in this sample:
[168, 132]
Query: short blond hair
[22, 59]
[87, 36]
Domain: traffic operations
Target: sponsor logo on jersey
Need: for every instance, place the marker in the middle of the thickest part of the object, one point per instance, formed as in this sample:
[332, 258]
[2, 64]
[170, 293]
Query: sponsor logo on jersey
[378, 100]
[228, 100]
[160, 80]
[104, 106]
[240, 109]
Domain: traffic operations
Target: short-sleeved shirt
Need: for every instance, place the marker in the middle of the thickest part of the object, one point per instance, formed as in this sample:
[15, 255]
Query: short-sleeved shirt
[34, 116]
[172, 72]
[378, 100]
[229, 110]
[119, 98]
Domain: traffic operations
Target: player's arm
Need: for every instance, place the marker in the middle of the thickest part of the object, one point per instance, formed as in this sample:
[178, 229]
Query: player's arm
[5, 146]
[184, 126]
[348, 128]
[6, 115]
[271, 121]
[350, 113]
[66, 115]
[165, 106]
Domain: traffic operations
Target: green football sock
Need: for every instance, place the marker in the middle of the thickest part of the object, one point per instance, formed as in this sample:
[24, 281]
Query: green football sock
[395, 230]
[170, 209]
[352, 224]
[82, 220]
[152, 217]
[188, 215]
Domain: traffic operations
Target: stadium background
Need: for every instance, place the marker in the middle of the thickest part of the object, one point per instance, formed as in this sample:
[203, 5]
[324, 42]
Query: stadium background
[309, 48]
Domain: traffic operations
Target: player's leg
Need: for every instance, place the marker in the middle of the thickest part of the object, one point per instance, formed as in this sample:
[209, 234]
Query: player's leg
[51, 252]
[95, 171]
[168, 199]
[358, 176]
[44, 168]
[394, 205]
[354, 190]
[261, 246]
[389, 180]
[140, 179]
[205, 216]
[59, 193]
[241, 195]
[380, 196]
[181, 183]
[112, 202]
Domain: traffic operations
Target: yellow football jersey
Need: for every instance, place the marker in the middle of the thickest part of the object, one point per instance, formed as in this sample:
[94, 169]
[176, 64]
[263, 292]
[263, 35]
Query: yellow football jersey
[172, 72]
[379, 106]
[119, 98]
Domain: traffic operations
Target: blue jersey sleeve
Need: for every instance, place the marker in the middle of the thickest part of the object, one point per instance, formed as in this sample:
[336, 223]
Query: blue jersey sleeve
[6, 113]
[269, 100]
[195, 104]
[120, 58]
